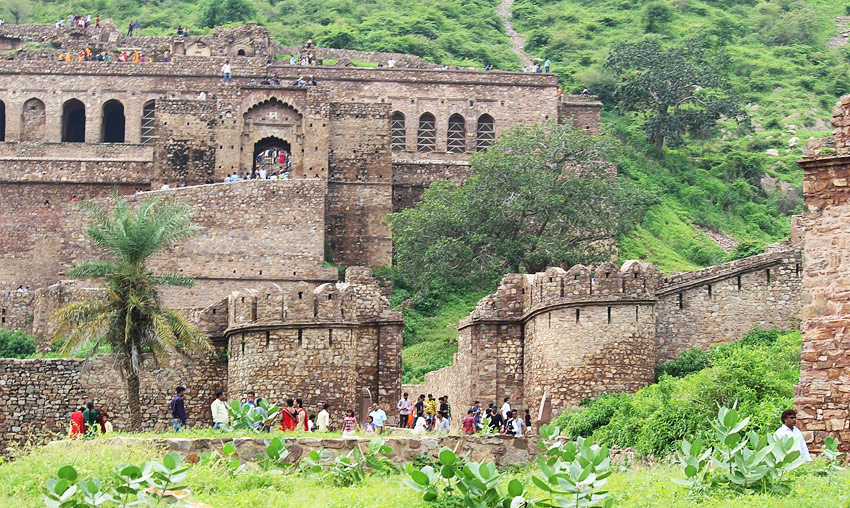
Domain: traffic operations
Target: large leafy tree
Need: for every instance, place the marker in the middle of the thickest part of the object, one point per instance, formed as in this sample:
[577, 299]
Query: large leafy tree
[679, 90]
[129, 316]
[543, 195]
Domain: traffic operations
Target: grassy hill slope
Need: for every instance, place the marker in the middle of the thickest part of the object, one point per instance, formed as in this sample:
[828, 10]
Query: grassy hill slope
[782, 64]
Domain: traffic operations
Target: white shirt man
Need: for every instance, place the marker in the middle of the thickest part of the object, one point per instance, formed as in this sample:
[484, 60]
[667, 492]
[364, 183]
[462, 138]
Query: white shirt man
[378, 418]
[323, 421]
[443, 425]
[505, 408]
[219, 411]
[789, 429]
[405, 407]
[518, 426]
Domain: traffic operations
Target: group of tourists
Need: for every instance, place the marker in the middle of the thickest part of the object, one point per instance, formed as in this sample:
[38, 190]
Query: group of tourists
[536, 67]
[78, 21]
[426, 415]
[87, 55]
[501, 420]
[89, 421]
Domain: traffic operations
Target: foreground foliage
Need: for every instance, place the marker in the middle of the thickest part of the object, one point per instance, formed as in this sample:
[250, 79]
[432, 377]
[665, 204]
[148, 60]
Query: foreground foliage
[22, 482]
[758, 372]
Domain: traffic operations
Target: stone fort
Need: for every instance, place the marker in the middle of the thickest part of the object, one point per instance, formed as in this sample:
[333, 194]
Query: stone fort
[364, 142]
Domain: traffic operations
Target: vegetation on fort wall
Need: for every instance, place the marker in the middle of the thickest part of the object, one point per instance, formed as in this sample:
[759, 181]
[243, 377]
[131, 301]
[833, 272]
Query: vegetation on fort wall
[16, 344]
[758, 372]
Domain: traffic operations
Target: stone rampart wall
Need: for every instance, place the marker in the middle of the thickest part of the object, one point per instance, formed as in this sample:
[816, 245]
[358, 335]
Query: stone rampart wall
[254, 232]
[724, 302]
[823, 394]
[39, 395]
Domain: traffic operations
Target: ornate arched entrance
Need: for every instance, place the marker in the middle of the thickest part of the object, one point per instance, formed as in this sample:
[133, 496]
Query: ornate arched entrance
[272, 125]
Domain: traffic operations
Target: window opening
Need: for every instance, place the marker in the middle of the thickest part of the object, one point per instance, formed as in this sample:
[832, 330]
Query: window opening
[427, 135]
[485, 133]
[456, 135]
[148, 123]
[398, 132]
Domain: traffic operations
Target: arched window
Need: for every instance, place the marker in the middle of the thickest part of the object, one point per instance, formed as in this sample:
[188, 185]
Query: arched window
[73, 122]
[456, 135]
[485, 134]
[112, 123]
[148, 126]
[32, 120]
[241, 52]
[398, 134]
[426, 137]
[2, 121]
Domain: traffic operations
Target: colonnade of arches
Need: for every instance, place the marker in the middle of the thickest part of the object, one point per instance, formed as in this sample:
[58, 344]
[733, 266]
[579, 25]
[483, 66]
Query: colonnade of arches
[426, 133]
[113, 125]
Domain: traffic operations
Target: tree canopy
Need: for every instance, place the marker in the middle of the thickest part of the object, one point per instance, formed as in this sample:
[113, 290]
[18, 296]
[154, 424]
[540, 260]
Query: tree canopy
[680, 89]
[543, 195]
[129, 315]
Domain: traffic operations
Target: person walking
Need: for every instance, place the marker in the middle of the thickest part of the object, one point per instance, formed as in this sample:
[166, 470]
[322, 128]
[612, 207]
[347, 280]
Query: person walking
[404, 408]
[546, 65]
[379, 417]
[469, 423]
[178, 409]
[226, 75]
[219, 410]
[349, 423]
[506, 407]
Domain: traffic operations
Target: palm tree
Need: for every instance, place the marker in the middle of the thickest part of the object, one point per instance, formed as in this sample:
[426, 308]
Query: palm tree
[128, 316]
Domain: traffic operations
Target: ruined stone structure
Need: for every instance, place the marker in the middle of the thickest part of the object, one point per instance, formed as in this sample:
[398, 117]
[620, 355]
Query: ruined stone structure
[579, 333]
[823, 394]
[336, 343]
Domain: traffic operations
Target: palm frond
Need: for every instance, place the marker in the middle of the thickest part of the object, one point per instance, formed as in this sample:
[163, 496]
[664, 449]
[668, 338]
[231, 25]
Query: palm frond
[80, 321]
[187, 334]
[91, 270]
[173, 279]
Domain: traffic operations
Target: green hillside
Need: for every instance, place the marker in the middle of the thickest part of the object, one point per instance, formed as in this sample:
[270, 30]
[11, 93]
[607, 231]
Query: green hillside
[781, 63]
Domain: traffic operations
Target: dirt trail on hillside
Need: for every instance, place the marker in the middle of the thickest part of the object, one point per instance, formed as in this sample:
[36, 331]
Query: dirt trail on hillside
[517, 40]
[841, 23]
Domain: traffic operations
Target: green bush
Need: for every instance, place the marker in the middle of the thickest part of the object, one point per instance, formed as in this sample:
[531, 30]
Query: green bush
[690, 361]
[16, 344]
[757, 372]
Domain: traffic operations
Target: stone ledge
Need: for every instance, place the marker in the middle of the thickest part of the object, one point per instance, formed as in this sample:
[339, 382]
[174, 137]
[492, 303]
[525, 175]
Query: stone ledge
[503, 450]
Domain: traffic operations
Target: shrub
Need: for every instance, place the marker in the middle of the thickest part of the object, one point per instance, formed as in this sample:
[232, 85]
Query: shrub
[690, 361]
[759, 372]
[16, 344]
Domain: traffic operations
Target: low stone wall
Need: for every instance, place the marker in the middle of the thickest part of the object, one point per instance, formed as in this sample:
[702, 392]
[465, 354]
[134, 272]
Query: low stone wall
[38, 396]
[503, 450]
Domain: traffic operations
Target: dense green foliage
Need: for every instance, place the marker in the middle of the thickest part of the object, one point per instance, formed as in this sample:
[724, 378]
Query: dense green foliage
[758, 372]
[460, 32]
[525, 207]
[16, 344]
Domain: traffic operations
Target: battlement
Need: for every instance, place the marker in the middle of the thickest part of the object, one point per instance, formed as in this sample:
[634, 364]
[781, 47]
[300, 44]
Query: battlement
[358, 300]
[520, 296]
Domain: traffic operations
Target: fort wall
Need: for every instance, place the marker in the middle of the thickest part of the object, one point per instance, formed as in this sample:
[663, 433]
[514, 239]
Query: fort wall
[823, 394]
[722, 303]
[579, 333]
[39, 395]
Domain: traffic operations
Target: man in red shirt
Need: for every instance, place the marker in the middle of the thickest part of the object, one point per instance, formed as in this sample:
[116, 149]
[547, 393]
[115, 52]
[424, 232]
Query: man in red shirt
[469, 423]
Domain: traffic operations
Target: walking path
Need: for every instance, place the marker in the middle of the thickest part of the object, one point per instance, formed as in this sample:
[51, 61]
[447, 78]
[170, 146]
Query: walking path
[517, 40]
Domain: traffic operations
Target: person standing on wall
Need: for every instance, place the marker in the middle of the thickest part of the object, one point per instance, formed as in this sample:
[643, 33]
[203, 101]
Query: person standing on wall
[404, 408]
[178, 409]
[226, 75]
[219, 410]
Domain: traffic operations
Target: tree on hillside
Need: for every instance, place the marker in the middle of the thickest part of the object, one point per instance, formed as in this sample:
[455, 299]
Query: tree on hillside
[219, 12]
[543, 195]
[129, 316]
[18, 10]
[679, 90]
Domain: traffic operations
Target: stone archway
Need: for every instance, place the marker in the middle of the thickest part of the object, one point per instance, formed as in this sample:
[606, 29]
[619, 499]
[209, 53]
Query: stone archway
[265, 155]
[268, 122]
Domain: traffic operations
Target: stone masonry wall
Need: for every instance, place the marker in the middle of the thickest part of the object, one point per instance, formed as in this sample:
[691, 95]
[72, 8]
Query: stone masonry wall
[823, 394]
[39, 395]
[724, 302]
[360, 179]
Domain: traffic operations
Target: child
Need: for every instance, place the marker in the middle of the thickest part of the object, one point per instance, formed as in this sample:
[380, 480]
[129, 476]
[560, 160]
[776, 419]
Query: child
[107, 425]
[349, 423]
[420, 426]
[369, 426]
